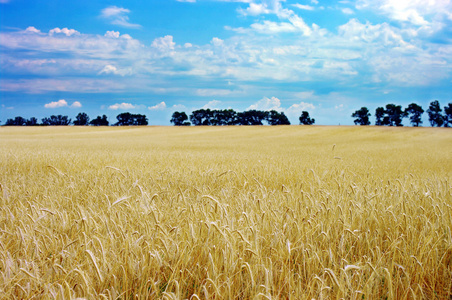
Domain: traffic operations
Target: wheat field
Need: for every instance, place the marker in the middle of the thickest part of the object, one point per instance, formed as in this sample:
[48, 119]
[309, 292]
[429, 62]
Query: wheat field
[284, 212]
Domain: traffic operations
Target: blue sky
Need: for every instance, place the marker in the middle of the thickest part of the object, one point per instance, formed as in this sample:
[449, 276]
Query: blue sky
[156, 57]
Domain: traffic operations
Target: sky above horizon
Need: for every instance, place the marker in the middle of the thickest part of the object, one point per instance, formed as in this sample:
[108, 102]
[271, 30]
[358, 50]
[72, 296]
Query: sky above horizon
[329, 58]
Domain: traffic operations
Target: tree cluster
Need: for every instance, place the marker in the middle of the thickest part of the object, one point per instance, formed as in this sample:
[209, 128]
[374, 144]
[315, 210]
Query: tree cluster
[215, 117]
[392, 115]
[82, 119]
[128, 119]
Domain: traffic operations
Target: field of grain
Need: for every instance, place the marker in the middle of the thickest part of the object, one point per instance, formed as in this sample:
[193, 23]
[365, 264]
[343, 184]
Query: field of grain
[285, 212]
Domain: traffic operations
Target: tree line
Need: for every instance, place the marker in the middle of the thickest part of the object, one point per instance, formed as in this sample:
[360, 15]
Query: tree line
[392, 115]
[82, 119]
[224, 117]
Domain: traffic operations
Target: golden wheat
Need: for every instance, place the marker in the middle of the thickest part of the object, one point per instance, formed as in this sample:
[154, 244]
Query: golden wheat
[265, 212]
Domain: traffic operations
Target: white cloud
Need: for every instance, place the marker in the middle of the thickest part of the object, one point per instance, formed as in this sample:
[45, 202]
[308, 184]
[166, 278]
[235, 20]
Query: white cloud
[56, 104]
[214, 104]
[213, 92]
[299, 107]
[164, 43]
[62, 103]
[255, 9]
[348, 11]
[265, 103]
[32, 29]
[76, 104]
[217, 42]
[178, 107]
[412, 11]
[159, 106]
[121, 106]
[304, 7]
[118, 16]
[270, 27]
[112, 34]
[66, 31]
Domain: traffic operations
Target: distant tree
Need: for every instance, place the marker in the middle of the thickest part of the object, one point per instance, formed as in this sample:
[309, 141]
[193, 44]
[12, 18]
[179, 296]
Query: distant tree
[180, 119]
[448, 115]
[434, 114]
[81, 119]
[276, 118]
[395, 114]
[99, 121]
[56, 121]
[32, 122]
[224, 117]
[201, 117]
[380, 119]
[391, 116]
[305, 119]
[416, 112]
[128, 119]
[251, 117]
[362, 116]
[17, 121]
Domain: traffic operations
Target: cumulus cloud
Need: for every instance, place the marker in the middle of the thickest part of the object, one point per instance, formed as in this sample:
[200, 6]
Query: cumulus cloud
[65, 31]
[118, 16]
[214, 104]
[32, 29]
[59, 103]
[299, 107]
[177, 107]
[62, 103]
[122, 106]
[112, 34]
[110, 69]
[265, 103]
[159, 106]
[76, 104]
[164, 43]
[412, 11]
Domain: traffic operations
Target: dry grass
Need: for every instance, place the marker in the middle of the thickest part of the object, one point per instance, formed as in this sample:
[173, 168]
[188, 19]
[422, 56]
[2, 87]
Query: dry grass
[226, 213]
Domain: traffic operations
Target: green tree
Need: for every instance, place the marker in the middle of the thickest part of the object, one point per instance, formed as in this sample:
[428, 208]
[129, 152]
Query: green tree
[100, 121]
[448, 115]
[201, 117]
[128, 119]
[391, 116]
[81, 119]
[276, 118]
[32, 122]
[17, 121]
[362, 116]
[416, 112]
[380, 118]
[251, 117]
[434, 114]
[395, 114]
[305, 119]
[56, 121]
[179, 119]
[224, 117]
